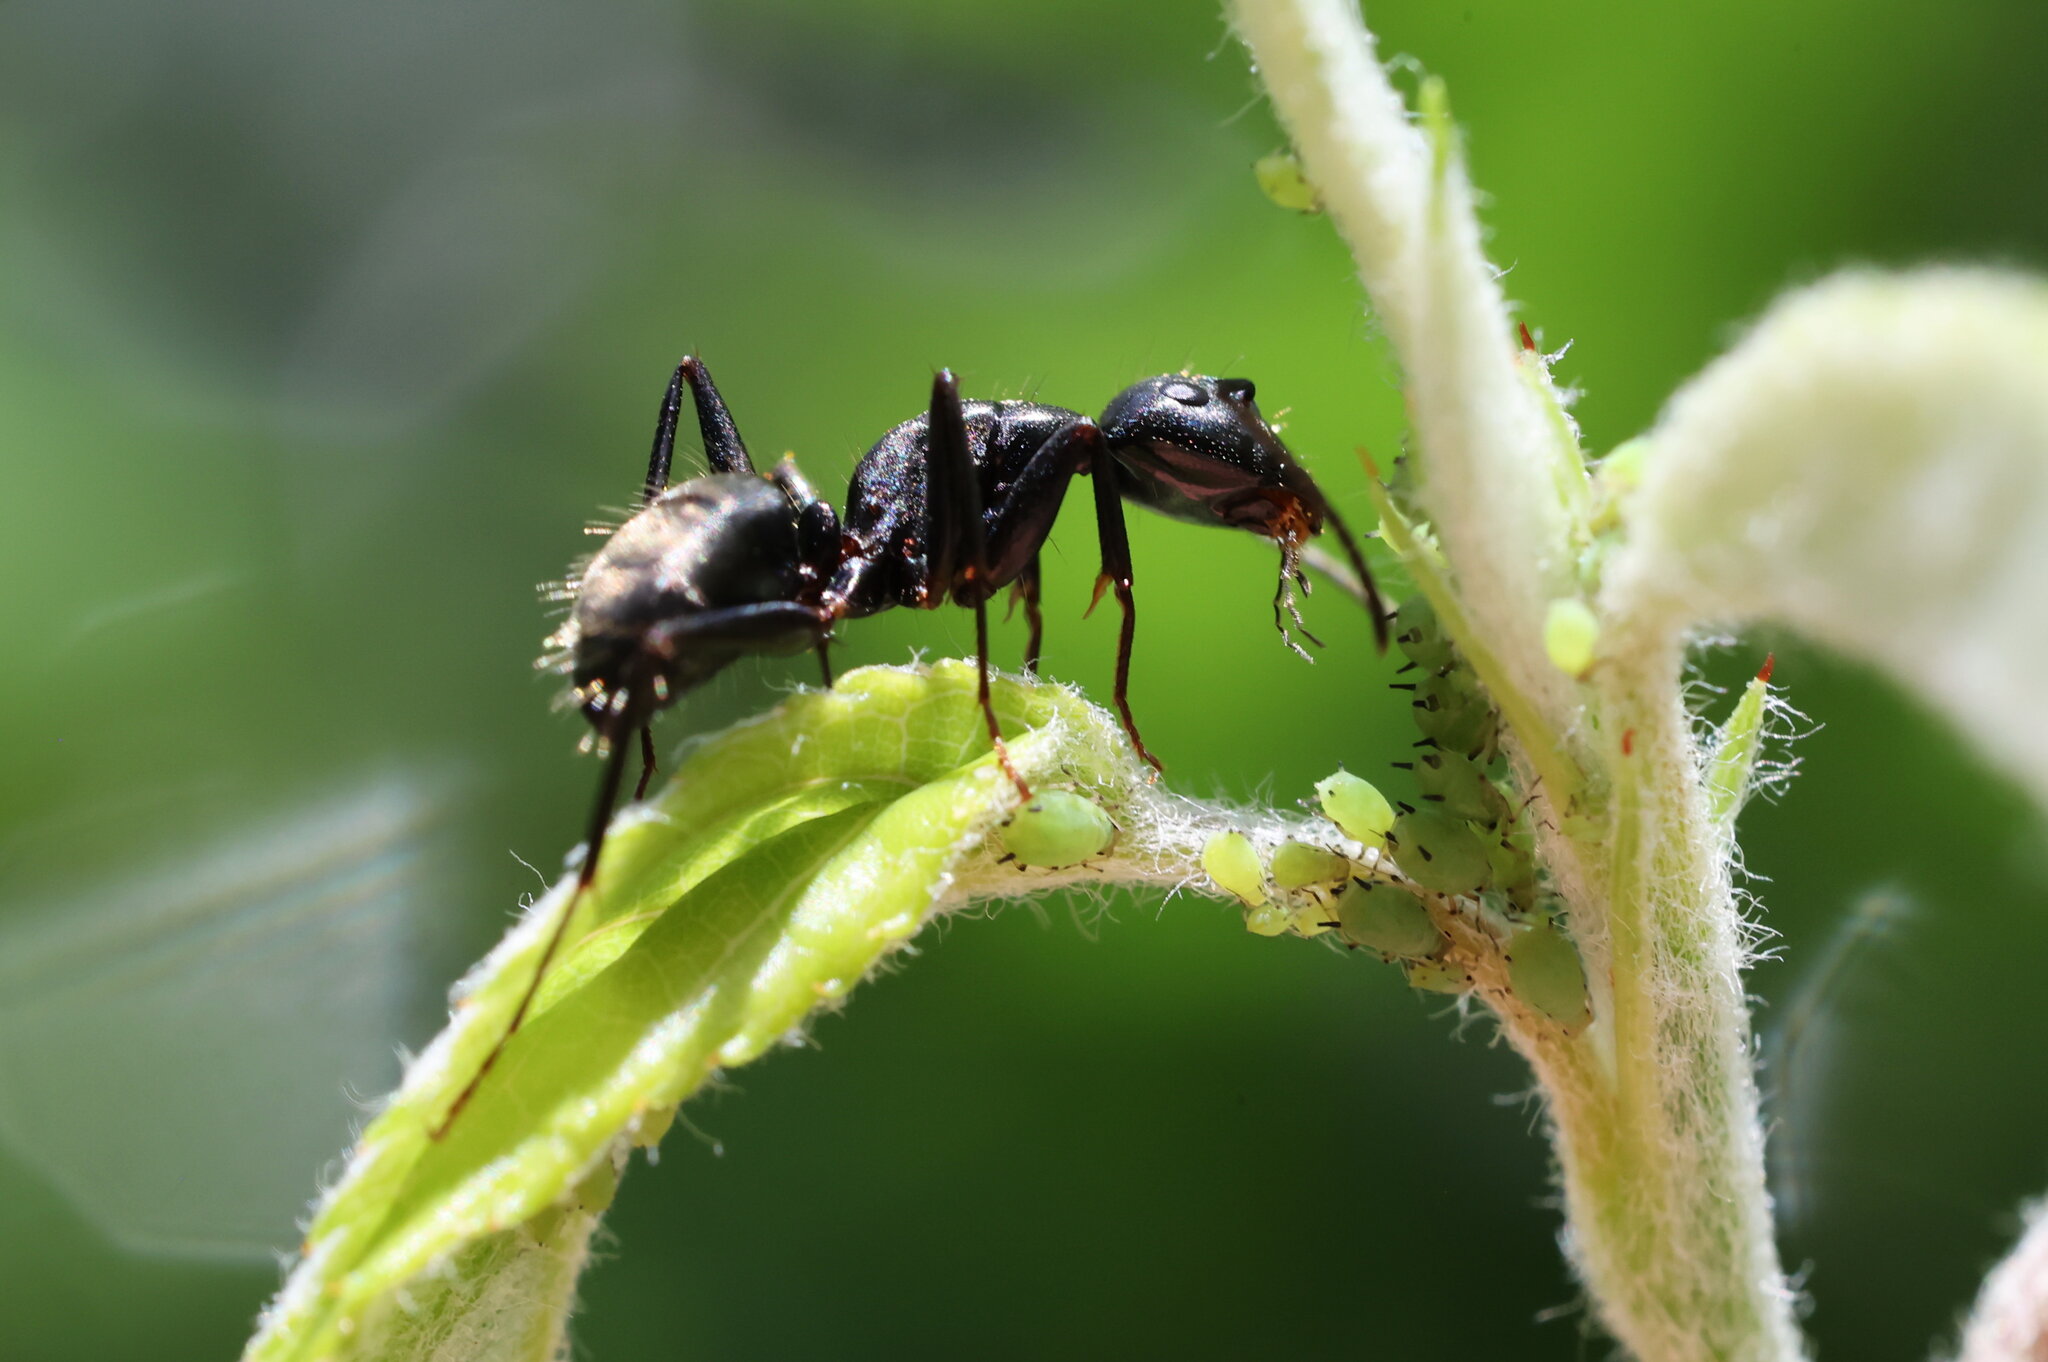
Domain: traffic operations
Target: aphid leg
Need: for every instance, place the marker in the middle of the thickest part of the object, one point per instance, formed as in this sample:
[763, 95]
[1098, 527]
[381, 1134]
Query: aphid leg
[960, 540]
[825, 661]
[586, 875]
[647, 762]
[1116, 572]
[723, 448]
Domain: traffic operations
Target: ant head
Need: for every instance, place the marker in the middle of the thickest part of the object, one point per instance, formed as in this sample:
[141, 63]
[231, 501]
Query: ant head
[1213, 418]
[1196, 448]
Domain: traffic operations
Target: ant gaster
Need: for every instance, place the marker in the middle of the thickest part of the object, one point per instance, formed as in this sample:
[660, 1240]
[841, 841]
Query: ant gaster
[703, 574]
[951, 505]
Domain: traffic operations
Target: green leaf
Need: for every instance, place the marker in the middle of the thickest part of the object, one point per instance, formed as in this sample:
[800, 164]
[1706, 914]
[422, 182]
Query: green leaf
[1869, 467]
[784, 861]
[1730, 775]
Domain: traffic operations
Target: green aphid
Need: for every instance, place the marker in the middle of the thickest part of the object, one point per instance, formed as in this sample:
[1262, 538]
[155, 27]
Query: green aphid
[1388, 919]
[648, 1127]
[1571, 634]
[1545, 971]
[1457, 786]
[1281, 180]
[1449, 709]
[1417, 635]
[1230, 861]
[1442, 853]
[1268, 919]
[1058, 828]
[1438, 976]
[1297, 865]
[1622, 469]
[594, 1194]
[1357, 807]
[1512, 853]
[1521, 896]
[1312, 921]
[1511, 857]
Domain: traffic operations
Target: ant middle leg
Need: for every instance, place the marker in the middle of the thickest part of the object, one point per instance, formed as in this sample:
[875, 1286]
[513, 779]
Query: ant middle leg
[958, 557]
[1116, 572]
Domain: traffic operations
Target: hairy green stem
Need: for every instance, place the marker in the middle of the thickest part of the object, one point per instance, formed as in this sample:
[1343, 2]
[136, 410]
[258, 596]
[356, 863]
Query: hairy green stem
[1653, 1108]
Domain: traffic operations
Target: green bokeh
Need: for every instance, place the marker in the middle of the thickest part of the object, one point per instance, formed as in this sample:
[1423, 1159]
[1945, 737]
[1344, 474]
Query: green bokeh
[324, 328]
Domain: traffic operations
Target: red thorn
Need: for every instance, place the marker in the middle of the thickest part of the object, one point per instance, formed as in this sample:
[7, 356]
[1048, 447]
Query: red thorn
[1528, 341]
[1763, 673]
[1628, 742]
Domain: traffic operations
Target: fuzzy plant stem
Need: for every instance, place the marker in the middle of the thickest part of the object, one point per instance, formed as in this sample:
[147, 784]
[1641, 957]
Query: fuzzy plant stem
[1653, 1109]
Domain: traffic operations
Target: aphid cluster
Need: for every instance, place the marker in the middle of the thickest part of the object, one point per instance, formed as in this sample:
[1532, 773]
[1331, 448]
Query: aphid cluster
[1465, 845]
[952, 505]
[1466, 836]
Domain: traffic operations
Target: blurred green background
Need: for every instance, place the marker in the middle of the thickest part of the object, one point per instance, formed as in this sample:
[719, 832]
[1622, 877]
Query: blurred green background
[324, 328]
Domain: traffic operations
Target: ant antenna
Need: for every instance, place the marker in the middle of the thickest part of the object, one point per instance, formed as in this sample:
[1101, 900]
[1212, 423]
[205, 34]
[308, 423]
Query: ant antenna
[1375, 606]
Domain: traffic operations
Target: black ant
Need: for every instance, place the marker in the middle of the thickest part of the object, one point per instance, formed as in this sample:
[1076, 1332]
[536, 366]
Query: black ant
[954, 504]
[704, 573]
[1186, 445]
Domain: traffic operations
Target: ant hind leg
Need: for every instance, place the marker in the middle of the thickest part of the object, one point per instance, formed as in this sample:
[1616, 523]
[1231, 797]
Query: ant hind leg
[586, 875]
[647, 762]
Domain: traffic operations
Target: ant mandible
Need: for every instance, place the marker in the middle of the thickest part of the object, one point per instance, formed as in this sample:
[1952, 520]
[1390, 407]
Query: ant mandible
[951, 505]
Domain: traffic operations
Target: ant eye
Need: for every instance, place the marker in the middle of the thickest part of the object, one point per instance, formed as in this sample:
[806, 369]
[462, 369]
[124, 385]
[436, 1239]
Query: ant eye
[1237, 389]
[1187, 394]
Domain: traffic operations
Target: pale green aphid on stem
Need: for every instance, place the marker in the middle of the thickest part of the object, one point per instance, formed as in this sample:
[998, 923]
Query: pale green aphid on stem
[1546, 972]
[1570, 634]
[1280, 179]
[1357, 807]
[1298, 865]
[1230, 861]
[1441, 852]
[1388, 919]
[1058, 828]
[1457, 786]
[1437, 976]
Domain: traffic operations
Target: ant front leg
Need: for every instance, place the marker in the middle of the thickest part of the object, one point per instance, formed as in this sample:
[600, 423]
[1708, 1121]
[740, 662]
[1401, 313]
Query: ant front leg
[1116, 572]
[1374, 605]
[958, 561]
